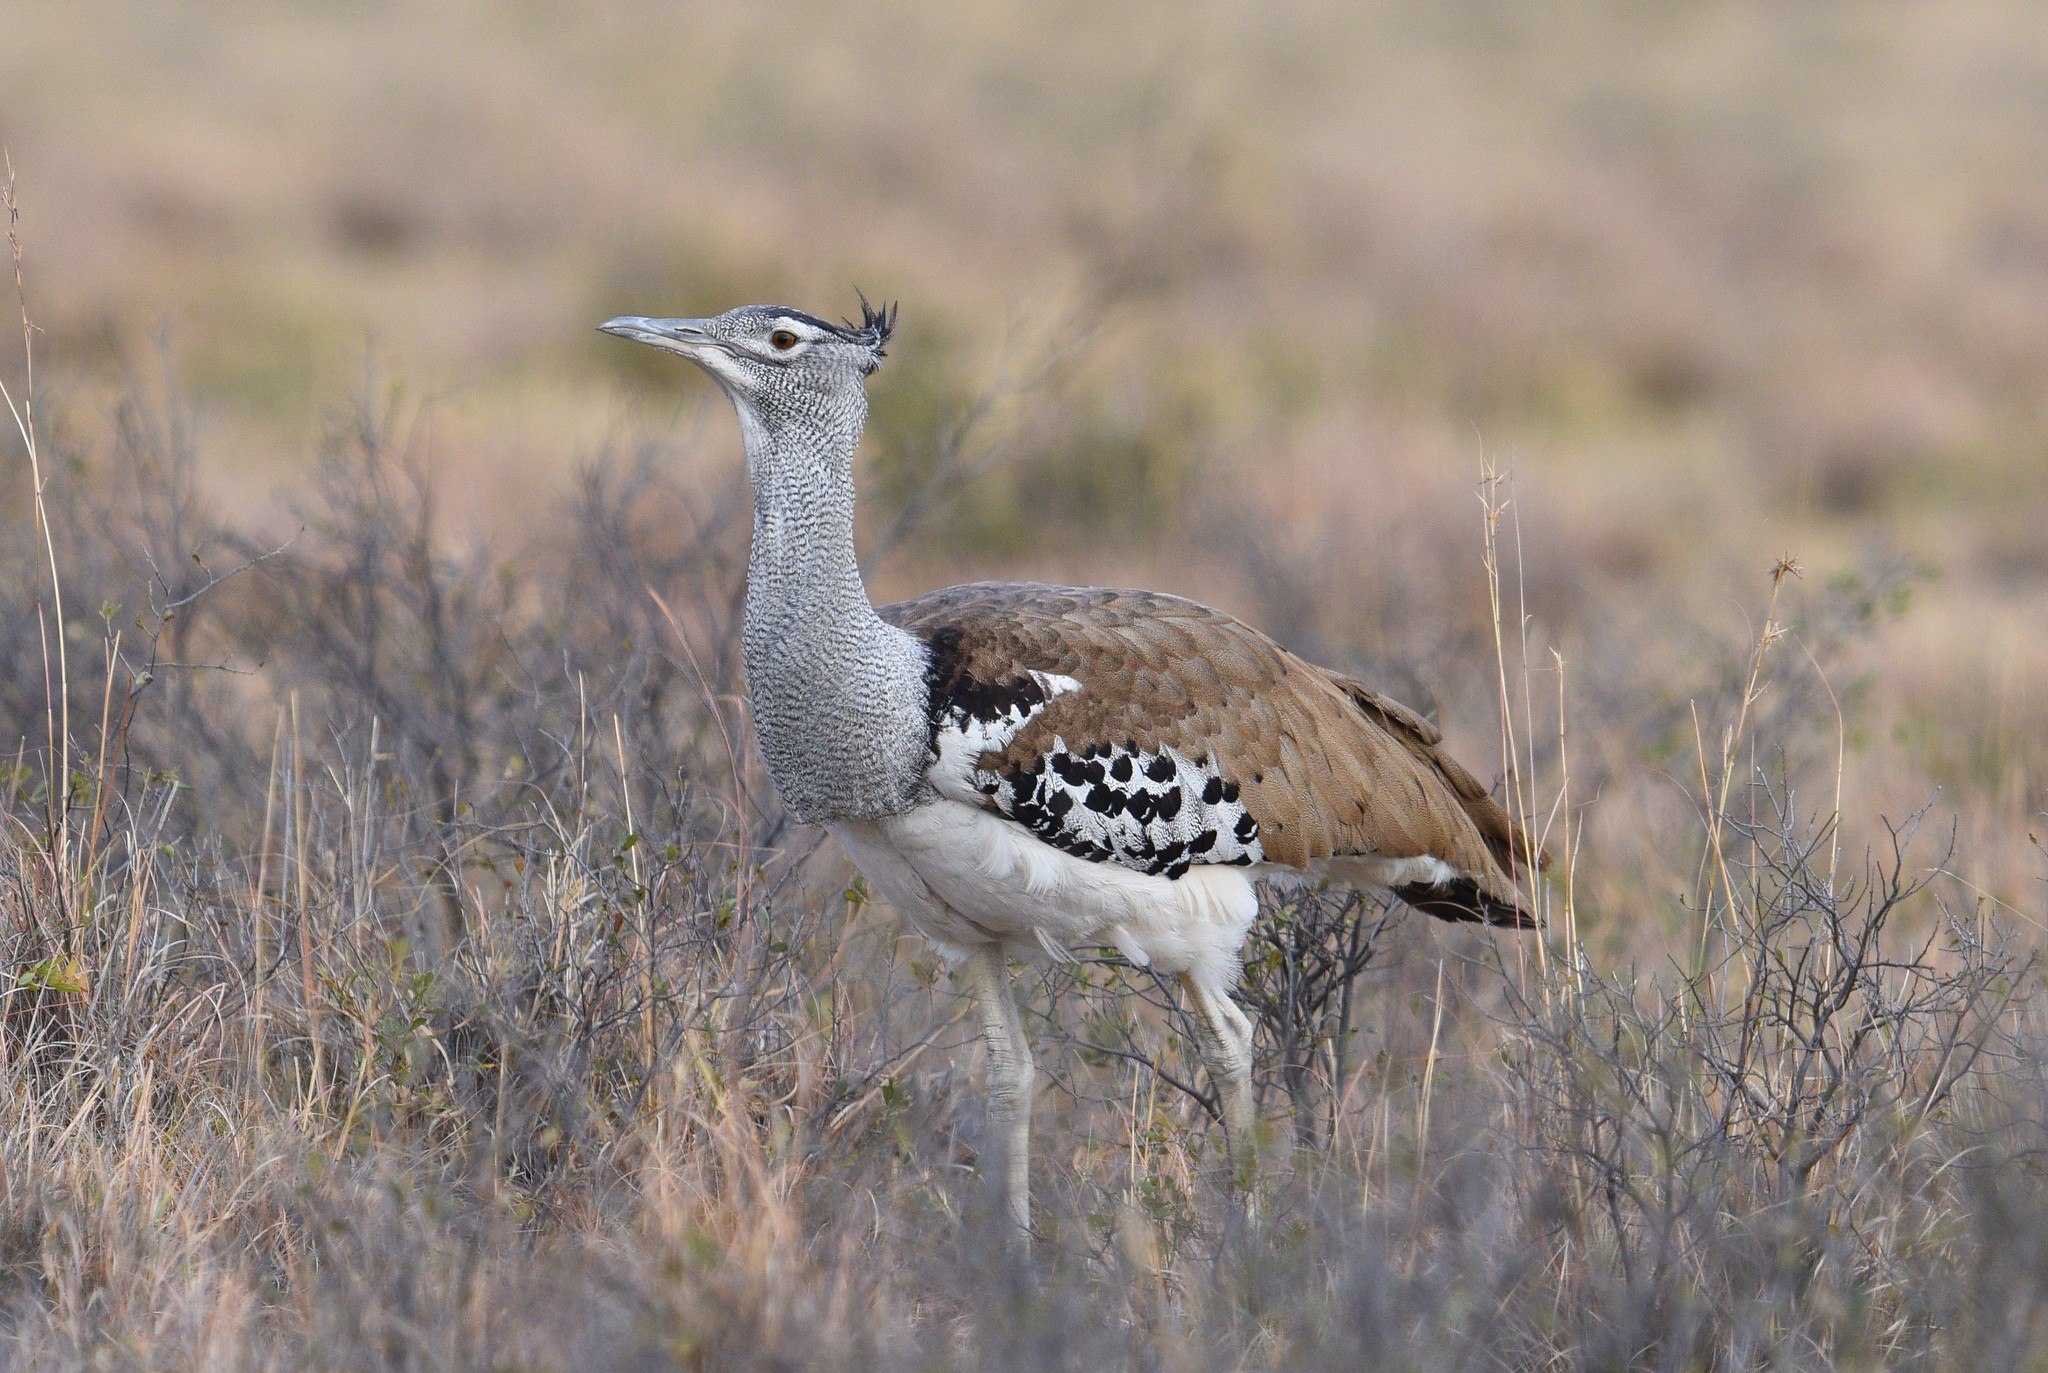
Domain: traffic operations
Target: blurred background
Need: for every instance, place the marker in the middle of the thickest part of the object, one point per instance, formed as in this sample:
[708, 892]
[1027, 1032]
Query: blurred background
[1237, 300]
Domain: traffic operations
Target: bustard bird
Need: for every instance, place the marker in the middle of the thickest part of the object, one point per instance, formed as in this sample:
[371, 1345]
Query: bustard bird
[1025, 769]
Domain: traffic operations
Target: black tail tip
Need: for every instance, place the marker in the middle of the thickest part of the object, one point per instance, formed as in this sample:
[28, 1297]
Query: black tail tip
[1462, 901]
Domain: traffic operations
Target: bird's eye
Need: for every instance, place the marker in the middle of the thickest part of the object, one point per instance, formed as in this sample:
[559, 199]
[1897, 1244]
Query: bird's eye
[783, 340]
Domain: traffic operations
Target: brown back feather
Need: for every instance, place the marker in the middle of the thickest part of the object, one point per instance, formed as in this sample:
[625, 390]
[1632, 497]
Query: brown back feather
[1328, 767]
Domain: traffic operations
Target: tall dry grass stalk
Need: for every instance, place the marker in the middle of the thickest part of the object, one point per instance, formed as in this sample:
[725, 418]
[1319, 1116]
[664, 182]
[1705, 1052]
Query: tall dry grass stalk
[57, 813]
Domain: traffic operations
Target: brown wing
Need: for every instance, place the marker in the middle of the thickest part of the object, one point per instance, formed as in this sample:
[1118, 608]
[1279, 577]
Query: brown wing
[1325, 768]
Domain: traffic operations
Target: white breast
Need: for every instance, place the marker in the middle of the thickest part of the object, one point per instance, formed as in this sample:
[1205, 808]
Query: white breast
[964, 877]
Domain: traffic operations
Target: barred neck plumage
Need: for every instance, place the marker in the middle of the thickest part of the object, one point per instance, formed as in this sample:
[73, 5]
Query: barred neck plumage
[840, 698]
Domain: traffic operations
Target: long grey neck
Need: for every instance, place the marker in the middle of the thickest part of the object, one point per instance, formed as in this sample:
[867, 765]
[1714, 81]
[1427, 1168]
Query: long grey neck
[839, 696]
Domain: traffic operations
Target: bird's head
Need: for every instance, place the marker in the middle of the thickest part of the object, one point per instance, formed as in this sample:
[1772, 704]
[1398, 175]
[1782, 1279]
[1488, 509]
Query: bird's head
[779, 366]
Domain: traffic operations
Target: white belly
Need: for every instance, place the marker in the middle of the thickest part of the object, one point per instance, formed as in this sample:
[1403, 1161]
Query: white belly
[965, 877]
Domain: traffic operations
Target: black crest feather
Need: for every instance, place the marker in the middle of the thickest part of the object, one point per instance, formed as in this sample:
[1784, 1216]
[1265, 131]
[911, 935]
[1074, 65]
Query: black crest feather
[876, 325]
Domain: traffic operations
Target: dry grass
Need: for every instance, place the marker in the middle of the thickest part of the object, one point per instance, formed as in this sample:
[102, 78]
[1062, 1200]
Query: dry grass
[407, 965]
[449, 992]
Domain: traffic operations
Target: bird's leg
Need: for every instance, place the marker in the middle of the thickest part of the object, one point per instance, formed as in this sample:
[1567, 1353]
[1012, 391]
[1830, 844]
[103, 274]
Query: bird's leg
[1009, 1082]
[1224, 1035]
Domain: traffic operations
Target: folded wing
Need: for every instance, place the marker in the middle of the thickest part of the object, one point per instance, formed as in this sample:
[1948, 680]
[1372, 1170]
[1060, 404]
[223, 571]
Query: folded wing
[1153, 732]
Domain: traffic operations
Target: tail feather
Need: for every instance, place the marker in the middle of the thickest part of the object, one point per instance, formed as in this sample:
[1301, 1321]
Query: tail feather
[1509, 844]
[1465, 900]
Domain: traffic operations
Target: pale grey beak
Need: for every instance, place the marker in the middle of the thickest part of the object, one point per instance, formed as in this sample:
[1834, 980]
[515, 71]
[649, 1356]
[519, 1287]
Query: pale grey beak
[686, 336]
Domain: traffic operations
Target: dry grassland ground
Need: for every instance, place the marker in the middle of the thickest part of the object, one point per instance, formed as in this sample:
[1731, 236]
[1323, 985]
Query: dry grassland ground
[406, 964]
